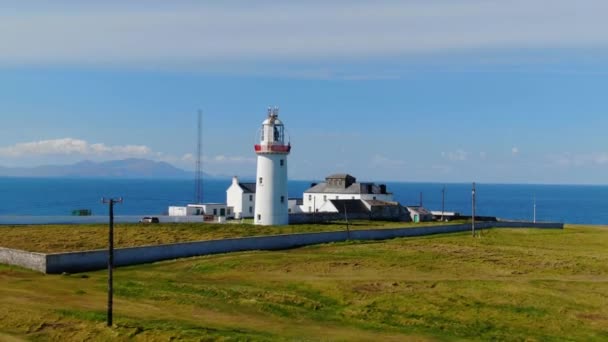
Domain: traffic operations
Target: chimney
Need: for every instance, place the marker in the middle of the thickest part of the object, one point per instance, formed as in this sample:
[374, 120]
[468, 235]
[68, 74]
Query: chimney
[383, 188]
[235, 180]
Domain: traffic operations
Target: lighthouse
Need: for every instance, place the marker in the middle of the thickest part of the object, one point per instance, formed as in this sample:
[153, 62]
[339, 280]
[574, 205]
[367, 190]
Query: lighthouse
[271, 180]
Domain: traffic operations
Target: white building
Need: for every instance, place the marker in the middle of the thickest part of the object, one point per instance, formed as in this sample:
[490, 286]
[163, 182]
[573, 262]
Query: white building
[341, 187]
[214, 209]
[419, 214]
[241, 197]
[295, 206]
[271, 181]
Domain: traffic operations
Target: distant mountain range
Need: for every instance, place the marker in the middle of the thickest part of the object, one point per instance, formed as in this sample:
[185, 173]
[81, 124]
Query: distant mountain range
[127, 168]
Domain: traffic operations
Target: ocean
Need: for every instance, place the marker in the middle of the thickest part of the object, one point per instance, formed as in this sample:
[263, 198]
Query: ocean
[58, 197]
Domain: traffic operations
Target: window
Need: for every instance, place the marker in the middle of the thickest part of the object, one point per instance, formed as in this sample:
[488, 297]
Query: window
[353, 197]
[250, 210]
[310, 197]
[374, 198]
[262, 132]
[250, 198]
[259, 217]
[282, 199]
[214, 211]
[282, 162]
[324, 198]
[229, 211]
[289, 210]
[260, 180]
[337, 197]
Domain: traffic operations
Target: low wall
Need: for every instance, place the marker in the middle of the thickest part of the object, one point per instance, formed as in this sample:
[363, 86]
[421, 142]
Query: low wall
[95, 260]
[31, 260]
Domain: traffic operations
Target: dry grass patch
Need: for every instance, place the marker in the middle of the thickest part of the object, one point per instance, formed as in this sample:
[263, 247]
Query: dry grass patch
[66, 238]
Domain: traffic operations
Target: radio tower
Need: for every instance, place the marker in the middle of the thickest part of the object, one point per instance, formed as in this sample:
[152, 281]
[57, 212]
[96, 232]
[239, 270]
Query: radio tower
[198, 184]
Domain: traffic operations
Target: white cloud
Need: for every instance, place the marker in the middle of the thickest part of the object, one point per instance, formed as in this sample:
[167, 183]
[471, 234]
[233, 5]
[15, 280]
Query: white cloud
[580, 159]
[70, 146]
[187, 33]
[188, 157]
[69, 150]
[231, 159]
[458, 155]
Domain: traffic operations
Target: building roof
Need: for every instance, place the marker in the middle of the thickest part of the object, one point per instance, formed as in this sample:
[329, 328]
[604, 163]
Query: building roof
[298, 200]
[248, 188]
[418, 209]
[378, 203]
[339, 175]
[351, 206]
[354, 189]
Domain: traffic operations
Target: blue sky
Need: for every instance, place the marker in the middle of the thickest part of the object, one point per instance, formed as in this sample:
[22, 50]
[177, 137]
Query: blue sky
[441, 91]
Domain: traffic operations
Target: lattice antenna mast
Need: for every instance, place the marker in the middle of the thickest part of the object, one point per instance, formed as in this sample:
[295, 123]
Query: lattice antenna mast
[198, 184]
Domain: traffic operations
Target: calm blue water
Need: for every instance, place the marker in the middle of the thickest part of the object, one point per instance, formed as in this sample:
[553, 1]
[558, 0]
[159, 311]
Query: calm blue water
[565, 203]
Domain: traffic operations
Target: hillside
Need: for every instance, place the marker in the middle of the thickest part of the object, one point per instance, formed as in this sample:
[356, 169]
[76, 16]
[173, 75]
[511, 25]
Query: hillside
[126, 168]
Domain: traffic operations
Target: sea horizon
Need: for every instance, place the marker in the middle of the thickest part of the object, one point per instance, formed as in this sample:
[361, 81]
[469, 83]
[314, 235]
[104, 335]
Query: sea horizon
[568, 203]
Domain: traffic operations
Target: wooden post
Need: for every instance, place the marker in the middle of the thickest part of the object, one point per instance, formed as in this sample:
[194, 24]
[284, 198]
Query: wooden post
[111, 203]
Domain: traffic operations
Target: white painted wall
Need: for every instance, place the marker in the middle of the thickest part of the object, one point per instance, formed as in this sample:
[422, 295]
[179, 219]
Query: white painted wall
[242, 203]
[210, 209]
[202, 209]
[316, 201]
[178, 211]
[248, 201]
[294, 208]
[327, 207]
[271, 202]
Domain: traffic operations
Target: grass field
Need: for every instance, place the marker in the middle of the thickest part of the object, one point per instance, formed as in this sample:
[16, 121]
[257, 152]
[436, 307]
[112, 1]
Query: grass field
[65, 238]
[509, 284]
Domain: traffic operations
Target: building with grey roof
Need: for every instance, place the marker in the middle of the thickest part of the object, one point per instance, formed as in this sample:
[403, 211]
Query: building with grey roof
[342, 187]
[241, 198]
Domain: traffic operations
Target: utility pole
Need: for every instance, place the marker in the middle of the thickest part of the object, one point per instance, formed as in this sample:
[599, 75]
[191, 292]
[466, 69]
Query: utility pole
[314, 209]
[111, 202]
[473, 211]
[346, 218]
[534, 208]
[442, 202]
[198, 184]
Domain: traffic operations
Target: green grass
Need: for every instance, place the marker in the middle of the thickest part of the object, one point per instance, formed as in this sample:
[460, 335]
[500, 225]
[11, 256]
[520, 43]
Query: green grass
[65, 238]
[508, 284]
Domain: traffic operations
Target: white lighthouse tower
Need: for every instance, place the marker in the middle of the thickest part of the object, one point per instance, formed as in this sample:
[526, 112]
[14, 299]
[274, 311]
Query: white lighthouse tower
[271, 183]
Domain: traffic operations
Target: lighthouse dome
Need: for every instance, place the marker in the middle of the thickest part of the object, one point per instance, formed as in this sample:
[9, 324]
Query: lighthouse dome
[272, 120]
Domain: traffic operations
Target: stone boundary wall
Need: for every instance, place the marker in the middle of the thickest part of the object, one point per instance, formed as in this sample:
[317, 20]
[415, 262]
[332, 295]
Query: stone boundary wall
[95, 260]
[31, 260]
